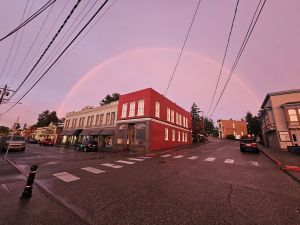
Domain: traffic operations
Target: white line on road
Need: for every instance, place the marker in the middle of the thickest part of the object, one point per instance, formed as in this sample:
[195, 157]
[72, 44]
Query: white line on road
[93, 170]
[210, 159]
[136, 159]
[254, 163]
[112, 165]
[194, 157]
[178, 156]
[164, 156]
[125, 162]
[144, 157]
[230, 161]
[66, 177]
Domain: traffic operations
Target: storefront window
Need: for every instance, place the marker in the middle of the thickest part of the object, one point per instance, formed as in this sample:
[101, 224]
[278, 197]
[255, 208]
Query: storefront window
[140, 133]
[122, 134]
[284, 136]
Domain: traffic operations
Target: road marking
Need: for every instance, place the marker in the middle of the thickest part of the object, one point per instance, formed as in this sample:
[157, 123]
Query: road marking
[178, 156]
[112, 165]
[66, 177]
[194, 157]
[210, 159]
[150, 155]
[52, 163]
[125, 162]
[164, 156]
[254, 163]
[136, 159]
[93, 170]
[144, 157]
[230, 161]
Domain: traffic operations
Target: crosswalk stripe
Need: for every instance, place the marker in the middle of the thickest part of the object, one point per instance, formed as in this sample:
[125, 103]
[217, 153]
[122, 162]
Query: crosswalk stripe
[112, 165]
[151, 155]
[66, 177]
[210, 159]
[164, 156]
[93, 170]
[144, 157]
[194, 157]
[136, 159]
[254, 163]
[178, 156]
[230, 161]
[125, 162]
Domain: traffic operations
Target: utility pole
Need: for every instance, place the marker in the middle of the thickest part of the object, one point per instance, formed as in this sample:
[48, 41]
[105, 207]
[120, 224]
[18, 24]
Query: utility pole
[4, 92]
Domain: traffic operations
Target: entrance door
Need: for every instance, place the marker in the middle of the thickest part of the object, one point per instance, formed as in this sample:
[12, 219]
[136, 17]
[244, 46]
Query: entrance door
[130, 137]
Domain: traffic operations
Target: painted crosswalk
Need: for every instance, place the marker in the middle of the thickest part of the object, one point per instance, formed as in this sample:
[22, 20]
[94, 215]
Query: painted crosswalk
[178, 156]
[93, 170]
[144, 157]
[167, 155]
[229, 161]
[194, 157]
[136, 159]
[125, 162]
[112, 165]
[66, 177]
[209, 159]
[254, 163]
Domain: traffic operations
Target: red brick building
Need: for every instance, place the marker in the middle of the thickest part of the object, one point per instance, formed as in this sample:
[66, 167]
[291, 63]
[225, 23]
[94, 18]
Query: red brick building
[149, 121]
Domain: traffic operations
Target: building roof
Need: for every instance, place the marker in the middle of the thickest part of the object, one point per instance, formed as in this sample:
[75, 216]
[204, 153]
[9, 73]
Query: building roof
[278, 93]
[290, 104]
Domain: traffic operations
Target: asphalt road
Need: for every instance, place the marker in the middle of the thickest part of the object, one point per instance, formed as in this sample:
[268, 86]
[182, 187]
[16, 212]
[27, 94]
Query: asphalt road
[209, 184]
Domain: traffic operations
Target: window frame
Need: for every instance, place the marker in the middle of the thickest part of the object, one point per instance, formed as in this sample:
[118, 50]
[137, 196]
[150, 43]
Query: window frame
[157, 109]
[124, 110]
[131, 109]
[141, 108]
[166, 134]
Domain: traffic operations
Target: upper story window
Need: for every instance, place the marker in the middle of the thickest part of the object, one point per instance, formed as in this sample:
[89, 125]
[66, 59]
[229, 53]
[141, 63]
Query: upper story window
[83, 119]
[233, 125]
[80, 119]
[178, 135]
[166, 134]
[107, 118]
[177, 118]
[88, 121]
[186, 123]
[293, 115]
[124, 110]
[91, 121]
[141, 105]
[173, 135]
[112, 118]
[132, 109]
[101, 121]
[157, 109]
[97, 120]
[172, 116]
[183, 121]
[168, 114]
[180, 120]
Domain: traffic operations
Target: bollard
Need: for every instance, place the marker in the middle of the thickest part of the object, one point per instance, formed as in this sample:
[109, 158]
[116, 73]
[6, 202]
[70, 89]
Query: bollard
[28, 188]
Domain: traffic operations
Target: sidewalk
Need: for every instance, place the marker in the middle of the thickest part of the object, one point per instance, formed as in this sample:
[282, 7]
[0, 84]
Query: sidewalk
[39, 209]
[287, 161]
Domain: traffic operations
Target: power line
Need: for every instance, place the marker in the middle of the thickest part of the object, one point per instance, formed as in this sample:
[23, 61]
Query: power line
[73, 40]
[34, 41]
[224, 56]
[182, 48]
[51, 42]
[249, 32]
[13, 43]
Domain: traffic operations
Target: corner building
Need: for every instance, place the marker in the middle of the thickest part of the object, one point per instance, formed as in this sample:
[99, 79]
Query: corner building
[148, 121]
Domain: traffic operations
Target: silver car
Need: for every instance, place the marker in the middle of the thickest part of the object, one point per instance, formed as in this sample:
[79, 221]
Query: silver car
[15, 143]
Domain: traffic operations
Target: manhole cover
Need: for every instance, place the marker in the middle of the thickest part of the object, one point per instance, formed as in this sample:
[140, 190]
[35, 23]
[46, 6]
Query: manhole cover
[13, 187]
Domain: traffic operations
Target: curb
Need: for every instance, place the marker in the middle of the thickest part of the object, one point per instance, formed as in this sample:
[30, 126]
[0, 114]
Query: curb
[272, 158]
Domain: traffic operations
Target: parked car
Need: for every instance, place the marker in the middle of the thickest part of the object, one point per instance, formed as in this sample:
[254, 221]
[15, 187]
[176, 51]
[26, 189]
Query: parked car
[249, 144]
[32, 141]
[87, 146]
[15, 142]
[47, 142]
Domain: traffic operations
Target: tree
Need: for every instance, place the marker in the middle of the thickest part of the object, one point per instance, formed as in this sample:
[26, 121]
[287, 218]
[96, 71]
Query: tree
[253, 124]
[4, 130]
[197, 125]
[46, 117]
[110, 98]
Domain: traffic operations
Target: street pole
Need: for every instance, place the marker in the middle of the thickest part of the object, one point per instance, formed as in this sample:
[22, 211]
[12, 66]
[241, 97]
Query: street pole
[3, 93]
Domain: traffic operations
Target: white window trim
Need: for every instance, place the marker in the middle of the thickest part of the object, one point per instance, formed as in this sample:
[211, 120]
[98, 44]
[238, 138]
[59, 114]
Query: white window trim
[172, 116]
[178, 135]
[166, 134]
[141, 110]
[157, 109]
[124, 110]
[131, 109]
[173, 135]
[168, 115]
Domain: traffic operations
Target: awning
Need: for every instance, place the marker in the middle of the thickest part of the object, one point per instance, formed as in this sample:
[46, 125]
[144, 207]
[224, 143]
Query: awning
[108, 131]
[72, 132]
[91, 132]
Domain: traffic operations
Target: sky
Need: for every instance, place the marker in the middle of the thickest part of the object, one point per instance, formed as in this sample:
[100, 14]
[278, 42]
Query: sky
[135, 44]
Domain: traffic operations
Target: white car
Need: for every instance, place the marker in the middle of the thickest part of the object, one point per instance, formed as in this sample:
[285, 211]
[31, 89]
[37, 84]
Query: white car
[15, 143]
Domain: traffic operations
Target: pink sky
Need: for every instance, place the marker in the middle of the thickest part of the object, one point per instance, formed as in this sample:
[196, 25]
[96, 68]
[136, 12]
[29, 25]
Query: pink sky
[136, 45]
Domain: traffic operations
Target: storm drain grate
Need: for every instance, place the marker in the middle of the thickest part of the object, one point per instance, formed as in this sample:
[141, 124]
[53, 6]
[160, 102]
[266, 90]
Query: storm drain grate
[14, 187]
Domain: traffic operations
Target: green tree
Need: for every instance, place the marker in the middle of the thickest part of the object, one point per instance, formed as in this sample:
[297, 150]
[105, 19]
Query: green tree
[46, 117]
[4, 130]
[253, 124]
[209, 128]
[197, 124]
[110, 98]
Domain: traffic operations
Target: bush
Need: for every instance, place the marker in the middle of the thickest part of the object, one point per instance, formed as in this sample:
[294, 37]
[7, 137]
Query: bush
[230, 137]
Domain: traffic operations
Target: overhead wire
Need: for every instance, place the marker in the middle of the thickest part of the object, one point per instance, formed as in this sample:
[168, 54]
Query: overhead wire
[33, 16]
[182, 48]
[73, 40]
[13, 43]
[31, 46]
[245, 41]
[224, 57]
[47, 48]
